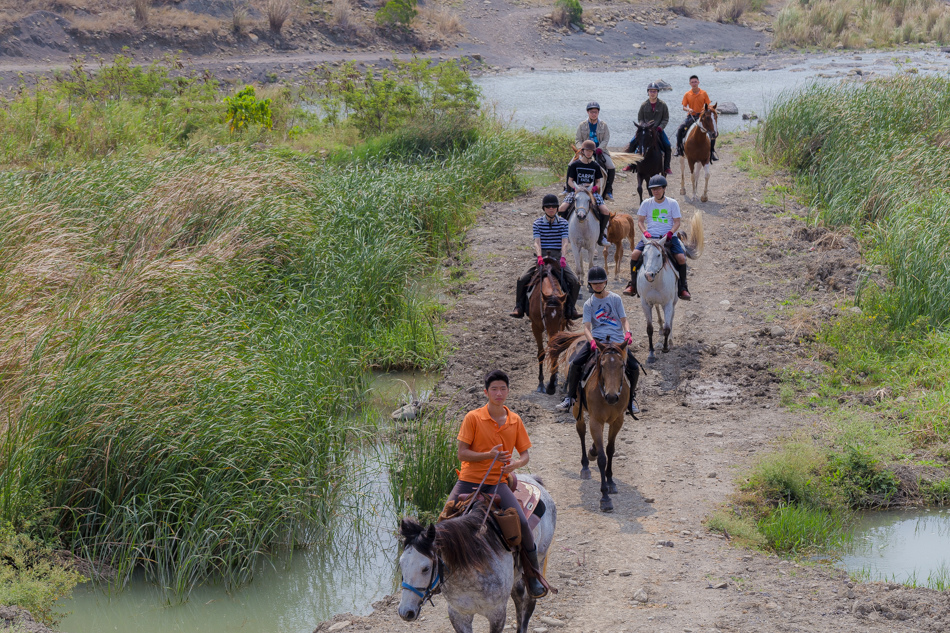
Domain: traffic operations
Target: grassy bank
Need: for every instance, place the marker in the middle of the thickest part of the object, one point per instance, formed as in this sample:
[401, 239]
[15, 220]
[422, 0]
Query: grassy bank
[873, 159]
[862, 23]
[186, 321]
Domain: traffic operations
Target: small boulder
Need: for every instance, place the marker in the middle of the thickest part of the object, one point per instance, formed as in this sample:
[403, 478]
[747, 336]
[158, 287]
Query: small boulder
[641, 596]
[727, 107]
[254, 39]
[777, 331]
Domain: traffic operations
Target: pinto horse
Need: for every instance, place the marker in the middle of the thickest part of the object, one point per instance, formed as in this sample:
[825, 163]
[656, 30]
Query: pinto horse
[657, 281]
[647, 137]
[697, 148]
[605, 398]
[473, 568]
[546, 309]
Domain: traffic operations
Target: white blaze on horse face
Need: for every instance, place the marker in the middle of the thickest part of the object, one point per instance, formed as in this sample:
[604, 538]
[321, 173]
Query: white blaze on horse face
[416, 572]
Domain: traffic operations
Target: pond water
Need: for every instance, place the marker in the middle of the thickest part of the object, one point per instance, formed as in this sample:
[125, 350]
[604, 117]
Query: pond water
[911, 547]
[552, 99]
[345, 572]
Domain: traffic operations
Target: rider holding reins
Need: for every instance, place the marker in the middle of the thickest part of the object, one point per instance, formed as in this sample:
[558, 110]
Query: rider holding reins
[550, 240]
[659, 216]
[655, 111]
[586, 174]
[485, 442]
[604, 318]
[693, 102]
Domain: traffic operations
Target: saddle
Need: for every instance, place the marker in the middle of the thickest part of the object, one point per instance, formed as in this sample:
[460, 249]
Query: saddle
[508, 525]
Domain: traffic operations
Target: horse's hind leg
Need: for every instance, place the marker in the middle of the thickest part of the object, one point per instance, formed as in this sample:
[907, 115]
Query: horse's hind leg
[582, 433]
[614, 429]
[706, 186]
[667, 319]
[683, 174]
[597, 433]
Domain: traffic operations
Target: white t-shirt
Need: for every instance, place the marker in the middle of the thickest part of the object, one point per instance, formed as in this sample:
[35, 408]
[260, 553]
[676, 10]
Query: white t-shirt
[660, 215]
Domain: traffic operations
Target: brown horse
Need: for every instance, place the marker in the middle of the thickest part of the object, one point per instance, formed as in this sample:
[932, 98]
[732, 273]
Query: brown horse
[546, 306]
[620, 227]
[696, 148]
[605, 396]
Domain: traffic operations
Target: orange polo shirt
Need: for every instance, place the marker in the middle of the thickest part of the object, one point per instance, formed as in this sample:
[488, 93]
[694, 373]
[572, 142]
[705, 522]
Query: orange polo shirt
[696, 101]
[482, 434]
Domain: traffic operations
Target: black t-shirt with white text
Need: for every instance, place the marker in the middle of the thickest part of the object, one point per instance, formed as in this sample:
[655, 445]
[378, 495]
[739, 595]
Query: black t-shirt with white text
[585, 175]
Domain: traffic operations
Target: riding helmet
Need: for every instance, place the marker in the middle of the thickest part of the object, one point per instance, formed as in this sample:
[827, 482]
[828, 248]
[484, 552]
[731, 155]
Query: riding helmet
[596, 275]
[588, 144]
[653, 86]
[593, 105]
[656, 181]
[550, 200]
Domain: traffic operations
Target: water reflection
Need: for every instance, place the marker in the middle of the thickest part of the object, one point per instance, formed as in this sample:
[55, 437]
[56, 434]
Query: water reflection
[900, 546]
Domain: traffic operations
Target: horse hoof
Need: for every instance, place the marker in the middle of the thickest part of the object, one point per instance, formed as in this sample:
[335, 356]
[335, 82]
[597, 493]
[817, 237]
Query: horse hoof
[651, 358]
[666, 350]
[540, 388]
[704, 199]
[551, 389]
[585, 473]
[612, 488]
[606, 505]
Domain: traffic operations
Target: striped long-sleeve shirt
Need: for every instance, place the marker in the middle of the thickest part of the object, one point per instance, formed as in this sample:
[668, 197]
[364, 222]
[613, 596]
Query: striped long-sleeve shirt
[551, 232]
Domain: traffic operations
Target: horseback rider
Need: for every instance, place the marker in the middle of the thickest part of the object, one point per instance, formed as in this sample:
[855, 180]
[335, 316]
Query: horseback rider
[604, 317]
[596, 130]
[585, 173]
[487, 434]
[655, 111]
[550, 240]
[658, 216]
[693, 102]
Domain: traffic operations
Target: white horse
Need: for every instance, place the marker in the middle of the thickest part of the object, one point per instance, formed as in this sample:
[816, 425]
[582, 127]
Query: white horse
[471, 565]
[583, 231]
[657, 281]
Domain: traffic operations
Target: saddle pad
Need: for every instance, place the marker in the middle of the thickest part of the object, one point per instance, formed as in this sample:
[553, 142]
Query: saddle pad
[529, 496]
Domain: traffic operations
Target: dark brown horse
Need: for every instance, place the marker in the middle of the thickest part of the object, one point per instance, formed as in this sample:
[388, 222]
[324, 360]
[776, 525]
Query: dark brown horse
[697, 146]
[546, 306]
[605, 397]
[647, 138]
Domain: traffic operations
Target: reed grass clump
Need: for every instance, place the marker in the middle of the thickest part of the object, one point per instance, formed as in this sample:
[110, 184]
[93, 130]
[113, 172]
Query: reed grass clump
[422, 463]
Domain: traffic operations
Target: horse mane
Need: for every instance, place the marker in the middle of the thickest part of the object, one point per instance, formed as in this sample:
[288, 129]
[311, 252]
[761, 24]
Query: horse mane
[557, 345]
[463, 542]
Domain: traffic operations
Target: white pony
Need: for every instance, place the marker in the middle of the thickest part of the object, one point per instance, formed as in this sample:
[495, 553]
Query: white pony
[474, 570]
[583, 231]
[657, 281]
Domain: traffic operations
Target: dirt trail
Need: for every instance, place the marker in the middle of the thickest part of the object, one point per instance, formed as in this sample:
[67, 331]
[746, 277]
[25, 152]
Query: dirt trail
[710, 406]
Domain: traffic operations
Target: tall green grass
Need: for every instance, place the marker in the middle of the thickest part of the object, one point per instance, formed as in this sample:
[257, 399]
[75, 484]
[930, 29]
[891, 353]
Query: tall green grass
[422, 463]
[184, 339]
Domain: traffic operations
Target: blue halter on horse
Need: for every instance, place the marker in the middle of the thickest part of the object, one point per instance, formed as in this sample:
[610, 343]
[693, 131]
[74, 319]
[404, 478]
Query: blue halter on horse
[426, 592]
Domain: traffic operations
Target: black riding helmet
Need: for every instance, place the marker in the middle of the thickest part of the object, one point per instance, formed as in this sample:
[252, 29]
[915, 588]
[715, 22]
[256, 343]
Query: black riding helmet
[550, 200]
[593, 105]
[656, 181]
[596, 275]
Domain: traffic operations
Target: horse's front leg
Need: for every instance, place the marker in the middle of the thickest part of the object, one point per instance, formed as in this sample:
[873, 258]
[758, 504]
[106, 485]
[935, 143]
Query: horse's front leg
[668, 311]
[582, 433]
[539, 339]
[683, 174]
[613, 430]
[597, 434]
[496, 619]
[578, 261]
[462, 623]
[648, 315]
[694, 175]
[706, 186]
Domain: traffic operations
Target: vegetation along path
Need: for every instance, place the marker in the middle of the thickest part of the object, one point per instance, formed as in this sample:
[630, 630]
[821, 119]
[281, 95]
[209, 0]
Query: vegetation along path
[710, 407]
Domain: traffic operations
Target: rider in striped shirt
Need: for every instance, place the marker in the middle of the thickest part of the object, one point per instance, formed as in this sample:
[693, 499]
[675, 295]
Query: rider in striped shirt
[550, 240]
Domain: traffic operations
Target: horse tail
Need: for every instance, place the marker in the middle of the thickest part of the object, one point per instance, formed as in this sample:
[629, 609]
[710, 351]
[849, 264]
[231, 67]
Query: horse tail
[694, 248]
[556, 346]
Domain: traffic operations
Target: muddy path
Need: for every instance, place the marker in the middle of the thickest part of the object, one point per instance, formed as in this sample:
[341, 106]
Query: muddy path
[710, 407]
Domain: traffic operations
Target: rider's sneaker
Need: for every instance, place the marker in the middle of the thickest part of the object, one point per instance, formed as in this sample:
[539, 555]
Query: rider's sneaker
[684, 296]
[566, 404]
[609, 196]
[678, 152]
[668, 172]
[517, 314]
[632, 408]
[630, 291]
[712, 156]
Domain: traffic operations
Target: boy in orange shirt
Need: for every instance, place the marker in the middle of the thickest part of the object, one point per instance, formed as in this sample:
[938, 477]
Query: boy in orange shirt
[693, 102]
[489, 432]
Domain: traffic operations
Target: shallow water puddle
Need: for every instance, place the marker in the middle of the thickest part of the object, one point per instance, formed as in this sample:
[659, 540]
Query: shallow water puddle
[910, 547]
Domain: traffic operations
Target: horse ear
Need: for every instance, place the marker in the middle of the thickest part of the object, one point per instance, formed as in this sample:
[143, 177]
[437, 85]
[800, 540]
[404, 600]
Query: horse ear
[713, 107]
[430, 532]
[409, 528]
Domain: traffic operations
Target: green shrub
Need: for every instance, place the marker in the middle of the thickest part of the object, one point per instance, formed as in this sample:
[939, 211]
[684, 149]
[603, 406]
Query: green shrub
[789, 476]
[571, 10]
[31, 577]
[936, 492]
[397, 13]
[245, 110]
[797, 529]
[862, 478]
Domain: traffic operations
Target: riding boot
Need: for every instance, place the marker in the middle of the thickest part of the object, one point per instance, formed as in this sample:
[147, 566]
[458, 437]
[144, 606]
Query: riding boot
[573, 289]
[603, 218]
[573, 380]
[634, 266]
[667, 158]
[535, 588]
[521, 295]
[712, 150]
[632, 369]
[609, 185]
[681, 269]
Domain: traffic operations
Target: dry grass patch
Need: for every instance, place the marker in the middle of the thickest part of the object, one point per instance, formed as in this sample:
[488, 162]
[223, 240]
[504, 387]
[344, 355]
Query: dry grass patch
[445, 21]
[278, 12]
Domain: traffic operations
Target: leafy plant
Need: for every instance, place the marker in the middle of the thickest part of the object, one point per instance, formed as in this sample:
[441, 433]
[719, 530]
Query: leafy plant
[862, 478]
[568, 12]
[245, 110]
[397, 13]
